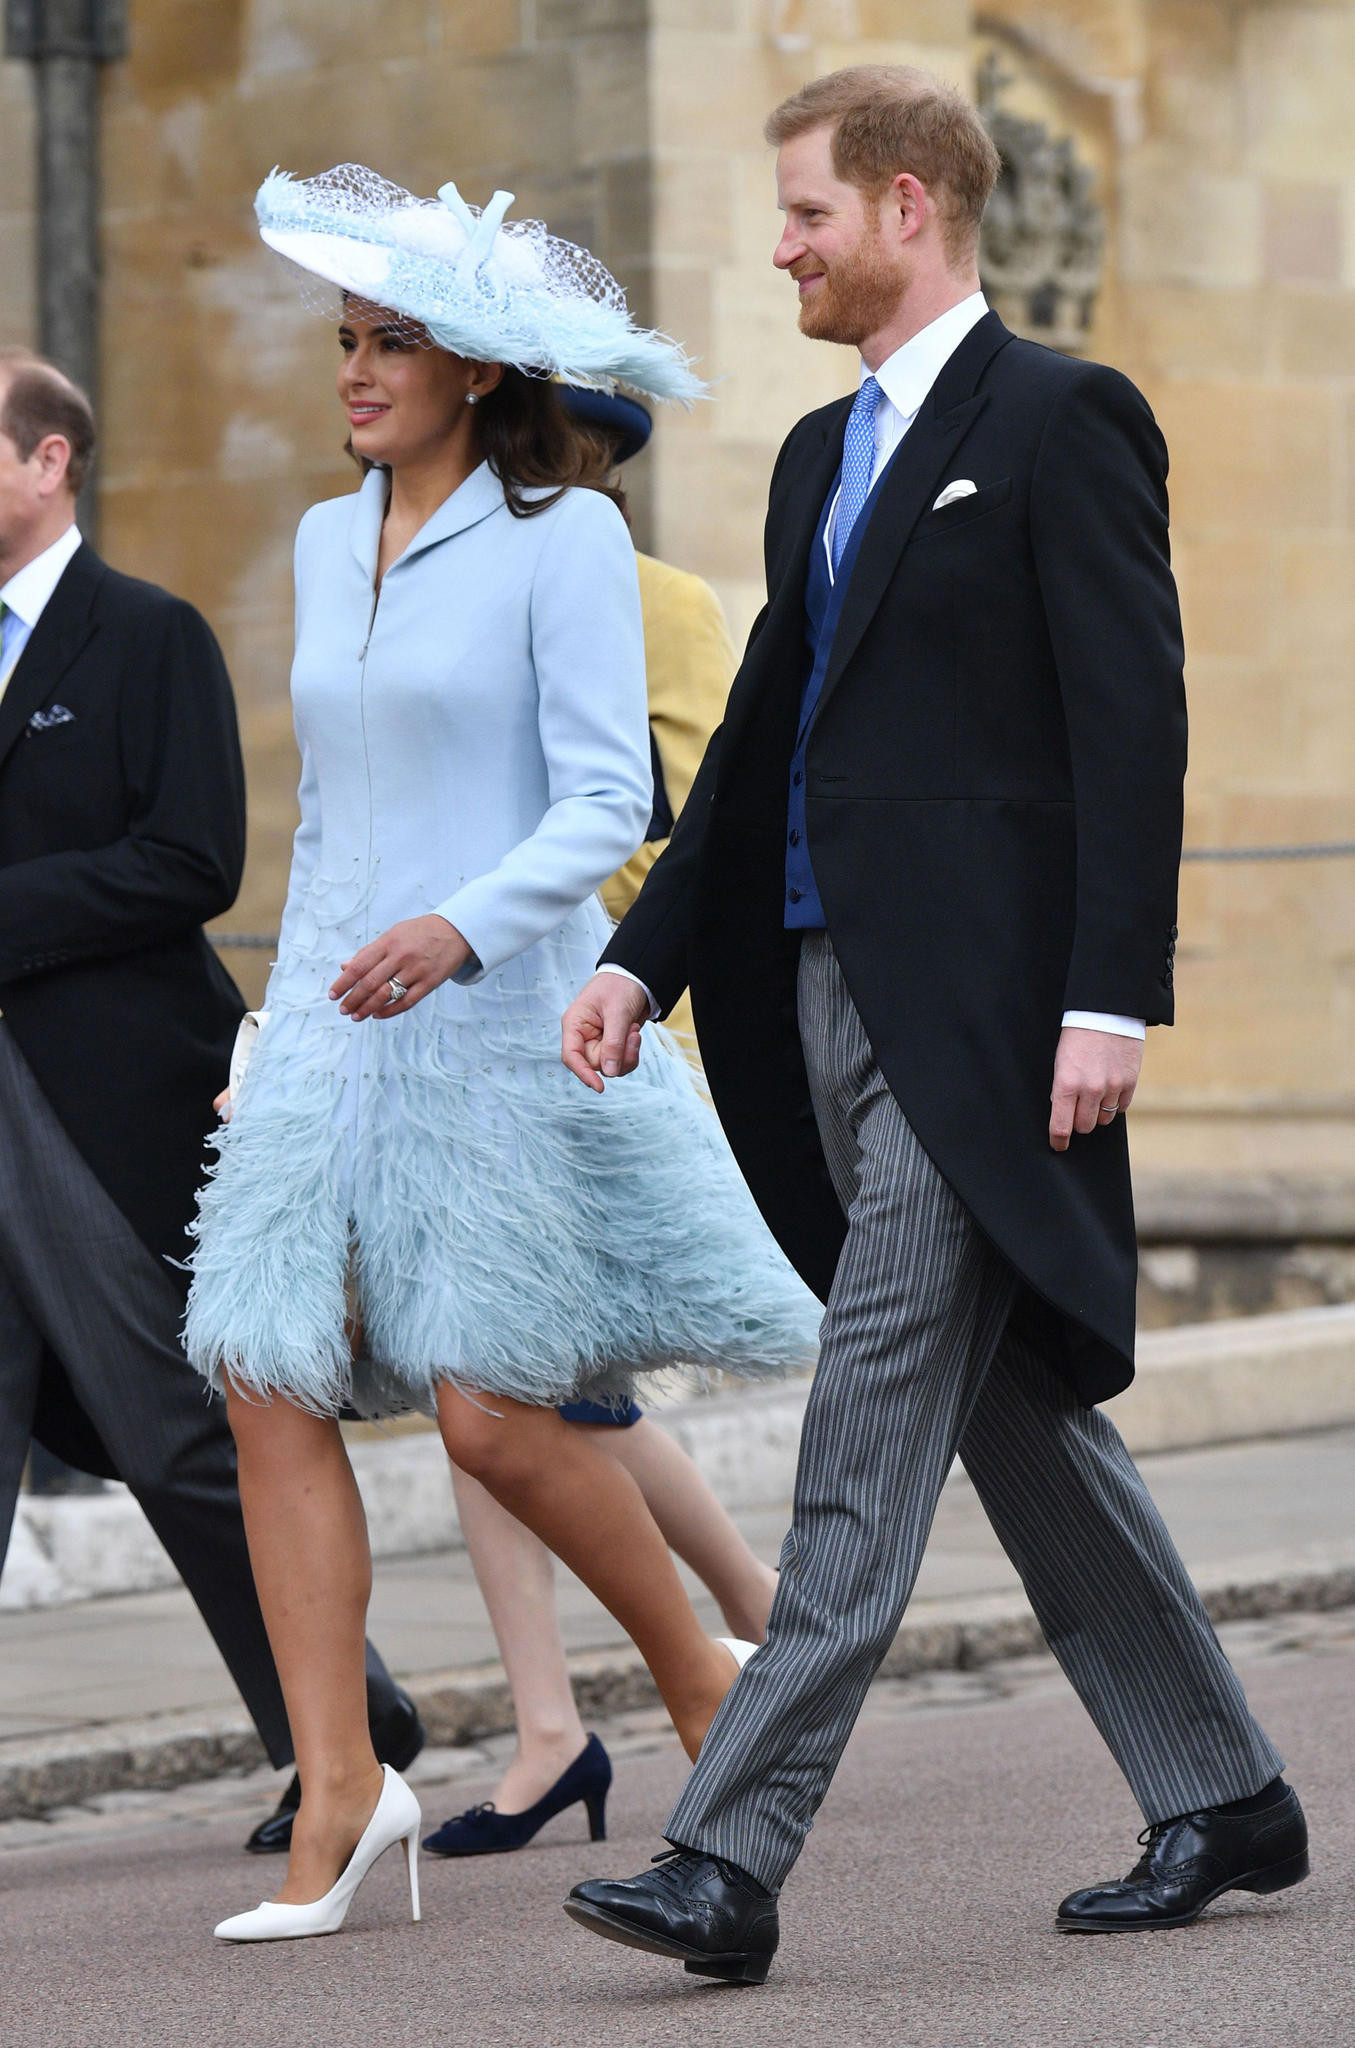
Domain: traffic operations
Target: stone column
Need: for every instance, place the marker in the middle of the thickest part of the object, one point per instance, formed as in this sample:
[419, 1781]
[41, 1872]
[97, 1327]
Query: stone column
[66, 41]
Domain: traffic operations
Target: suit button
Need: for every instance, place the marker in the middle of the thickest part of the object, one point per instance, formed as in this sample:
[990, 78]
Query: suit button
[794, 838]
[794, 895]
[797, 778]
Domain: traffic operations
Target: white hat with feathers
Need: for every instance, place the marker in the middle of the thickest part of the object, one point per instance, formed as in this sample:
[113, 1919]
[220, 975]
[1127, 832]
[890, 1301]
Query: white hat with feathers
[487, 288]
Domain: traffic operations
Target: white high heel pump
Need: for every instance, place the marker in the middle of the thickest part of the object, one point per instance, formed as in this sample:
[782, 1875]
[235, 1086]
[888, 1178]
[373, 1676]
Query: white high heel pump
[397, 1819]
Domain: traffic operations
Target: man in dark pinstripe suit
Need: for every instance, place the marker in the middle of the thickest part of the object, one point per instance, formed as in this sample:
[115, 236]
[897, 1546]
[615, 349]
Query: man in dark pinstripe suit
[929, 863]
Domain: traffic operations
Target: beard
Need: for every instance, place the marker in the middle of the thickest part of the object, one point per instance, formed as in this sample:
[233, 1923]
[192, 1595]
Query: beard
[855, 299]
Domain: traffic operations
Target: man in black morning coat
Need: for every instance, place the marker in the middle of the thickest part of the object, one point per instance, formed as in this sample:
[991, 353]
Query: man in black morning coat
[928, 864]
[122, 827]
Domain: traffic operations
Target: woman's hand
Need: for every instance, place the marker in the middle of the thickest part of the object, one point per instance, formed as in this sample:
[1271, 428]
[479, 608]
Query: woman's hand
[421, 953]
[222, 1105]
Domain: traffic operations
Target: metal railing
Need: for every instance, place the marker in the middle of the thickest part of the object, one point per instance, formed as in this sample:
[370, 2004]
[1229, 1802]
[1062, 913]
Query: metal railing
[1330, 849]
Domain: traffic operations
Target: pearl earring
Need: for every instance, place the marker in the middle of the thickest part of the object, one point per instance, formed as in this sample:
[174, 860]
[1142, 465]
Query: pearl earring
[472, 398]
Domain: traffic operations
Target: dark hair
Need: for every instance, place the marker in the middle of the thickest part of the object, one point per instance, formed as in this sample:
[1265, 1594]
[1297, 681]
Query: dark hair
[533, 442]
[887, 118]
[40, 400]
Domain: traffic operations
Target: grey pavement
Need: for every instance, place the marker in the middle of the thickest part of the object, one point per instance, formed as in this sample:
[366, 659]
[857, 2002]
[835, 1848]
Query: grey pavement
[1245, 1511]
[920, 1915]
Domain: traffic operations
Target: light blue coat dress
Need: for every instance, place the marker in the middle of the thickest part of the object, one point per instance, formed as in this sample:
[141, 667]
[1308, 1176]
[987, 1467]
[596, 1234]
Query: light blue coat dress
[474, 742]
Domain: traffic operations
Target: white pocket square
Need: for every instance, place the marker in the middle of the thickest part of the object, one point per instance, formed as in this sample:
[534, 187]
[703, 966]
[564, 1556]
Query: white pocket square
[961, 488]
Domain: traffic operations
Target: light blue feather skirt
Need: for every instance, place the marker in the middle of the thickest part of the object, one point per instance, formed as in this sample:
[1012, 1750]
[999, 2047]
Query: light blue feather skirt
[496, 1225]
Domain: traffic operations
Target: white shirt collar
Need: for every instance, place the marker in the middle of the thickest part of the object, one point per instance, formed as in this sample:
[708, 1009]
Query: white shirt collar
[909, 374]
[29, 589]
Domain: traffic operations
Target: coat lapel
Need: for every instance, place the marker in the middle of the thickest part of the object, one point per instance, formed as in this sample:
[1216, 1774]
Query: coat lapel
[927, 450]
[59, 636]
[472, 501]
[777, 657]
[469, 503]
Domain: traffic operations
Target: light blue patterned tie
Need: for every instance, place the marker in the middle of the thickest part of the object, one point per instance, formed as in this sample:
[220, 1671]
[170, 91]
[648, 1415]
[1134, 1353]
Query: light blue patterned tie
[858, 459]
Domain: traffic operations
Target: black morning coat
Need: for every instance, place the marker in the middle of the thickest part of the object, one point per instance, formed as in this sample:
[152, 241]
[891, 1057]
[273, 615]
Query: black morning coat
[994, 818]
[122, 828]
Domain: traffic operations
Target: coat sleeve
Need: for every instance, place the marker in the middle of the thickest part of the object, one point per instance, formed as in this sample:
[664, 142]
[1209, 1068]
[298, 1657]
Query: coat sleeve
[690, 661]
[1098, 523]
[588, 653]
[305, 851]
[651, 940]
[306, 839]
[180, 858]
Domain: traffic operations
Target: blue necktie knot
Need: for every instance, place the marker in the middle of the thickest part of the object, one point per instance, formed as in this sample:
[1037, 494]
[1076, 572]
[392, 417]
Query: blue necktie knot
[858, 460]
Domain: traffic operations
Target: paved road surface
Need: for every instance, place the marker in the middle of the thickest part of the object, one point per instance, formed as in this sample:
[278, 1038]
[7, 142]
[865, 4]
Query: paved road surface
[919, 1916]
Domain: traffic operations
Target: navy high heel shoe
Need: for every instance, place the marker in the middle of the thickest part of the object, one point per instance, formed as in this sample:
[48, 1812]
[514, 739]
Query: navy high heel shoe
[484, 1831]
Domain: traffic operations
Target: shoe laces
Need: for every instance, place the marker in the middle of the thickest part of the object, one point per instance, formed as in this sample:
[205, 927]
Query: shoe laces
[671, 1857]
[1148, 1840]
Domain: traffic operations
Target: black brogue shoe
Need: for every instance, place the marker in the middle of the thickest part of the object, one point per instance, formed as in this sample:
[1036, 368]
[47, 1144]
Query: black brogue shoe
[707, 1913]
[1188, 1862]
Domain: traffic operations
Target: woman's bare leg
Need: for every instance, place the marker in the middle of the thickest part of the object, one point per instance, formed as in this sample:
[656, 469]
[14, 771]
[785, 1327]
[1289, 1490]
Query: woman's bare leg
[313, 1570]
[693, 1523]
[590, 1512]
[516, 1573]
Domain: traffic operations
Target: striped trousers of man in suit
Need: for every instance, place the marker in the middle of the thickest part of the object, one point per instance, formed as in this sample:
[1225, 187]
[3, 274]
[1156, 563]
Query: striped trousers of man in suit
[918, 1363]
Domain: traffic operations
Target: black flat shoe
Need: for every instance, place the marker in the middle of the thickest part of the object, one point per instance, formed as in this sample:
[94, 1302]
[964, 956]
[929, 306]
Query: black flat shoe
[708, 1914]
[397, 1739]
[484, 1831]
[1188, 1862]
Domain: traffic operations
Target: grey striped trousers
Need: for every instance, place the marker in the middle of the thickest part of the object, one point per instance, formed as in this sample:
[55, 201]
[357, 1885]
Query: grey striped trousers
[917, 1364]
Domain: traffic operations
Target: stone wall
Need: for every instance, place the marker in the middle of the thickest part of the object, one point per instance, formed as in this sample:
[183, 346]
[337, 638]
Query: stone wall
[220, 423]
[1221, 137]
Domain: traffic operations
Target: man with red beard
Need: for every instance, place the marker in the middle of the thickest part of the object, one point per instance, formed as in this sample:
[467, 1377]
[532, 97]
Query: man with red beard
[928, 869]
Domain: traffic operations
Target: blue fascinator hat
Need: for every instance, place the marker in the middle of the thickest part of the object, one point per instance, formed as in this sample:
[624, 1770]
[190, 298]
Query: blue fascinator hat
[491, 289]
[624, 420]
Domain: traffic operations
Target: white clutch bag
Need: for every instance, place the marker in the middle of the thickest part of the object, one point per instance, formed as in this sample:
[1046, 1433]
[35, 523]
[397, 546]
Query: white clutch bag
[251, 1024]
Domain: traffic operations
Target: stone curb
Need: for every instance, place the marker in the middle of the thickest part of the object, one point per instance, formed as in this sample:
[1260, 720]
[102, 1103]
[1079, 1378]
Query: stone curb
[1202, 1383]
[460, 1707]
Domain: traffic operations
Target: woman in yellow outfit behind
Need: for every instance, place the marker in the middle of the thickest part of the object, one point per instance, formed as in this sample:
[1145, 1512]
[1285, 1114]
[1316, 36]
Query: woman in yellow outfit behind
[690, 662]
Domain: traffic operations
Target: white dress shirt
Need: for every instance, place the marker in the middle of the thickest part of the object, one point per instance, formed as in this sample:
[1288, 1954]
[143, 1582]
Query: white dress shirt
[905, 378]
[25, 599]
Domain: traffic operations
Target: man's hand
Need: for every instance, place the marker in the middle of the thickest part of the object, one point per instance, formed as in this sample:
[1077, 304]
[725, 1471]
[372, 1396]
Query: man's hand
[601, 1030]
[420, 954]
[1095, 1075]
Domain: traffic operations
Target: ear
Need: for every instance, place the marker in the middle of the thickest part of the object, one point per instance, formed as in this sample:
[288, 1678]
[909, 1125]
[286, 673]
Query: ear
[53, 458]
[909, 205]
[484, 378]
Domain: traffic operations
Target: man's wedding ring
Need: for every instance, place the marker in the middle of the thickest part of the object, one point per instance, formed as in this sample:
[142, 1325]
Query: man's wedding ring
[397, 988]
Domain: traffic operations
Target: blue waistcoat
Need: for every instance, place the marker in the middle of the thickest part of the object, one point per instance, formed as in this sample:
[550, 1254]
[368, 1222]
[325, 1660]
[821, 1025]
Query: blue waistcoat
[823, 608]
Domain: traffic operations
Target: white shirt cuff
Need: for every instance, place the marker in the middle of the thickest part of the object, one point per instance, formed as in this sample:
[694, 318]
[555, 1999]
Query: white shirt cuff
[1098, 1020]
[611, 967]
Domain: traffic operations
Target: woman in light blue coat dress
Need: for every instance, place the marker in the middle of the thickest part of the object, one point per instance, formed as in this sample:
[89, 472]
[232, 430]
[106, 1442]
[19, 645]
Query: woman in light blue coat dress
[414, 1206]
